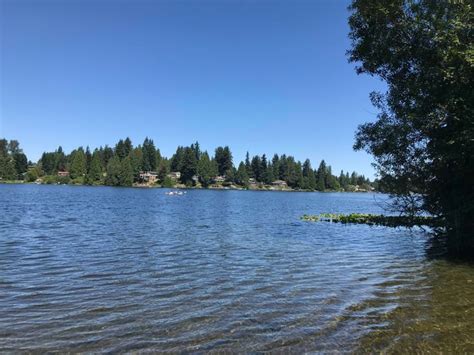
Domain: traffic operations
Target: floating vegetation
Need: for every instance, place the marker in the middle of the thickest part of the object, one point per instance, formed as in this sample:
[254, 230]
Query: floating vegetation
[372, 219]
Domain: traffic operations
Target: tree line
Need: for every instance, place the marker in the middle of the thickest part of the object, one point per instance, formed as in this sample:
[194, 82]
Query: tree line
[122, 164]
[13, 162]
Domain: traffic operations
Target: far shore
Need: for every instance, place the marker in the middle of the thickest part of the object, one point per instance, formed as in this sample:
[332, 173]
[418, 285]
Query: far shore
[184, 187]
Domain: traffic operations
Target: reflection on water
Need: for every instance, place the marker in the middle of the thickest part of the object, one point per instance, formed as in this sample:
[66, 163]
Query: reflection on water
[89, 269]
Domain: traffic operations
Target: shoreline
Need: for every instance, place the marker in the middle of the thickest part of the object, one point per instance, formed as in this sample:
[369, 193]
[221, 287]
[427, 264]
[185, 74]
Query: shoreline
[182, 187]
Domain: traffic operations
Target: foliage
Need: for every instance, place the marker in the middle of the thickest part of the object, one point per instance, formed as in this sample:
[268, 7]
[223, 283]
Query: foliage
[122, 166]
[125, 177]
[206, 169]
[422, 141]
[150, 155]
[188, 166]
[371, 219]
[95, 171]
[13, 162]
[78, 164]
[113, 172]
[167, 182]
[223, 158]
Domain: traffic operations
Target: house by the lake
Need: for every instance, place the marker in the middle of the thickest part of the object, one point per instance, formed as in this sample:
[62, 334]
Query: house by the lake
[175, 175]
[148, 176]
[63, 173]
[218, 178]
[280, 183]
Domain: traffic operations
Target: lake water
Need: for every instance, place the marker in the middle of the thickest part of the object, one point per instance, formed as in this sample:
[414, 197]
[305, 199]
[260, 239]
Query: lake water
[121, 269]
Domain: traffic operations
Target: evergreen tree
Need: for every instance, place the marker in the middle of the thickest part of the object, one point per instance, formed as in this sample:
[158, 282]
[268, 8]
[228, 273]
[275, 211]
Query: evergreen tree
[283, 169]
[21, 164]
[125, 177]
[332, 182]
[127, 146]
[256, 166]
[309, 180]
[47, 163]
[78, 164]
[321, 176]
[206, 170]
[299, 175]
[189, 167]
[177, 159]
[88, 158]
[123, 148]
[268, 177]
[113, 172]
[3, 147]
[276, 167]
[136, 160]
[197, 150]
[95, 170]
[263, 164]
[60, 161]
[223, 157]
[241, 176]
[292, 172]
[163, 169]
[120, 149]
[107, 154]
[248, 167]
[149, 155]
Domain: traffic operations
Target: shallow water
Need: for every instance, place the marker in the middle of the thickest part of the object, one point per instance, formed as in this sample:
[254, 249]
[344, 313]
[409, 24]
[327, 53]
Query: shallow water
[117, 269]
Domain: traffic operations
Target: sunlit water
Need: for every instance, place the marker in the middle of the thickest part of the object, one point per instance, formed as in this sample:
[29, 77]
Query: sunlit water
[117, 269]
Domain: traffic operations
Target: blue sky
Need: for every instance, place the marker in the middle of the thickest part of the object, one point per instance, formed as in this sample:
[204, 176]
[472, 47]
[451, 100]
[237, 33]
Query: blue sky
[263, 76]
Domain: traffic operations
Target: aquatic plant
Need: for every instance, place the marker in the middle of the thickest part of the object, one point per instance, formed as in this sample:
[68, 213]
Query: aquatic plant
[371, 219]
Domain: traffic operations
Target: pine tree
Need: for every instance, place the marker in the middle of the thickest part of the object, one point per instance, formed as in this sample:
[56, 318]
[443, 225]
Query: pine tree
[308, 176]
[120, 149]
[107, 154]
[248, 167]
[256, 166]
[149, 155]
[60, 161]
[88, 158]
[127, 146]
[95, 171]
[113, 172]
[163, 169]
[126, 173]
[205, 169]
[177, 159]
[136, 160]
[3, 147]
[241, 176]
[223, 157]
[21, 164]
[78, 164]
[321, 176]
[189, 167]
[276, 167]
[197, 150]
[268, 177]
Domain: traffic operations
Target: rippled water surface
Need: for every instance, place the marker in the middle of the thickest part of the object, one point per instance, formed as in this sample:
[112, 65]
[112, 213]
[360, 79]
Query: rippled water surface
[116, 269]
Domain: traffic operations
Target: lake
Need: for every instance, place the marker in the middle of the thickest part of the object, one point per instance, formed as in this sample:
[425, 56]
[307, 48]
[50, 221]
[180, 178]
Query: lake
[120, 269]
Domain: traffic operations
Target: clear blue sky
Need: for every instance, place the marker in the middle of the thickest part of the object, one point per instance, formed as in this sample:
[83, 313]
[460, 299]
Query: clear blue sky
[263, 76]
